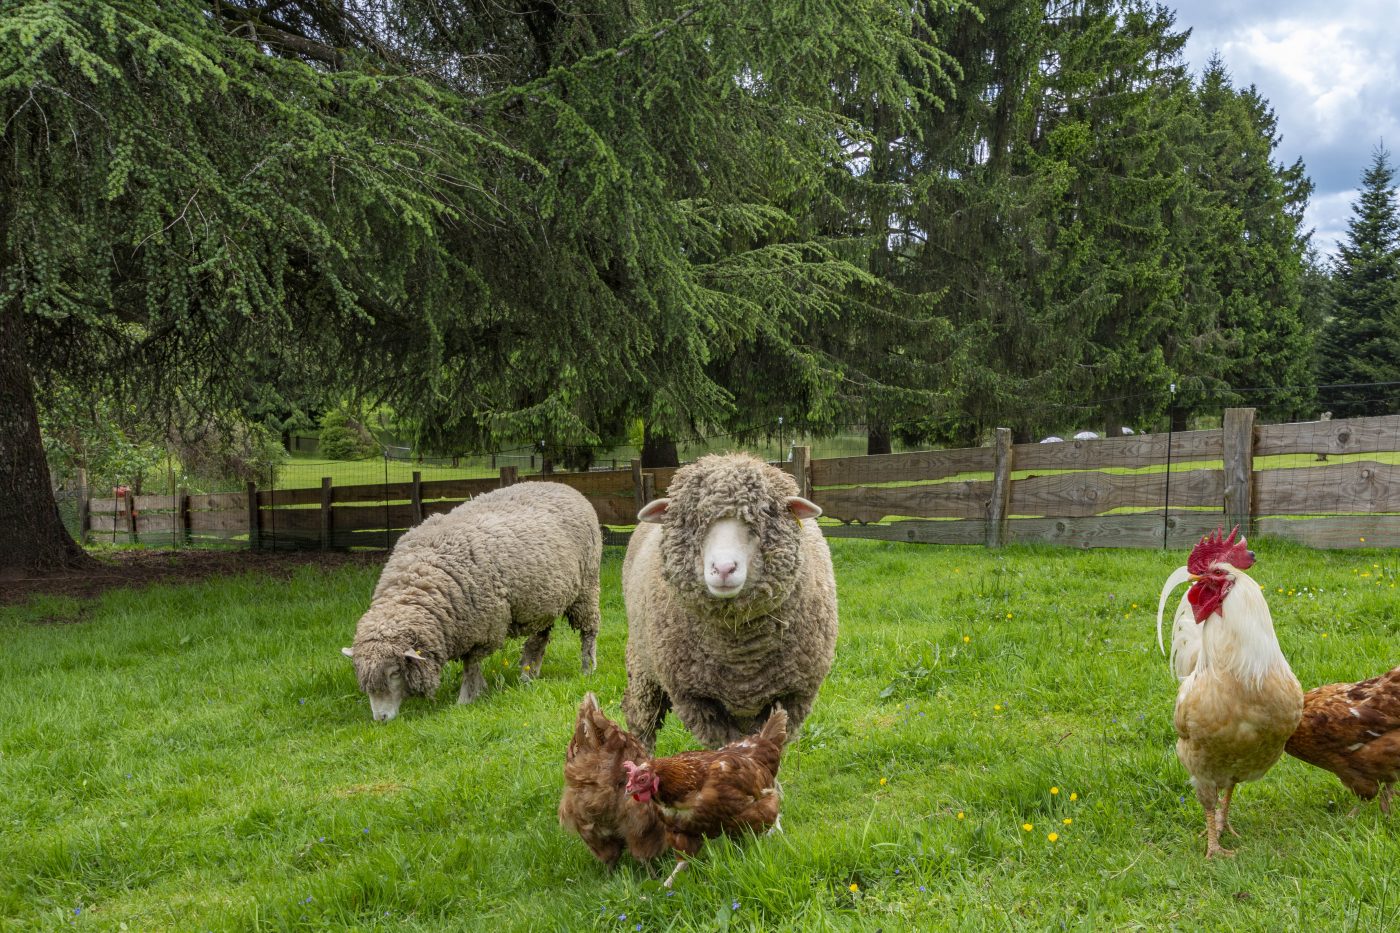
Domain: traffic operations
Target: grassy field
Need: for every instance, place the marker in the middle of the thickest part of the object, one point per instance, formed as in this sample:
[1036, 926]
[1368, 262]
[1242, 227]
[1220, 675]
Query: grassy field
[197, 758]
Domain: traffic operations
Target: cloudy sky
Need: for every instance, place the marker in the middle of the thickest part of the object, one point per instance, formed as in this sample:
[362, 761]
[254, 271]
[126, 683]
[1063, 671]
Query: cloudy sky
[1331, 69]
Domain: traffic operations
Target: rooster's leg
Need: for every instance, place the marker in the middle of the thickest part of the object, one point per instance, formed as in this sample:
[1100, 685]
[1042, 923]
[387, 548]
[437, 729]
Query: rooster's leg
[680, 863]
[1209, 796]
[1225, 813]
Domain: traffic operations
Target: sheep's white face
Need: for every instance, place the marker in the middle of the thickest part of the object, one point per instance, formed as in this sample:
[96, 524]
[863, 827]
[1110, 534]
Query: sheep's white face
[727, 555]
[385, 706]
[383, 678]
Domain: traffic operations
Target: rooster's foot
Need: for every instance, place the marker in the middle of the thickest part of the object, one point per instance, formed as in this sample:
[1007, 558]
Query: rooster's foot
[1213, 851]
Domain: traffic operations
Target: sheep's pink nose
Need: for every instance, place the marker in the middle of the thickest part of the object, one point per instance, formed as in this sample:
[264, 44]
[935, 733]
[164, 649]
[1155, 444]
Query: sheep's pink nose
[725, 569]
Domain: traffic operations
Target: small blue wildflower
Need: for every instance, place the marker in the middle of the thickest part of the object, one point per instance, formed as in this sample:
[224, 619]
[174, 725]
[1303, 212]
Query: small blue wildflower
[922, 888]
[77, 910]
[639, 926]
[302, 701]
[734, 906]
[322, 839]
[670, 893]
[622, 916]
[896, 871]
[366, 830]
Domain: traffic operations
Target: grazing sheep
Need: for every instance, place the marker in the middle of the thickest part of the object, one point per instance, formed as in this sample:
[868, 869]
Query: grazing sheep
[731, 603]
[503, 565]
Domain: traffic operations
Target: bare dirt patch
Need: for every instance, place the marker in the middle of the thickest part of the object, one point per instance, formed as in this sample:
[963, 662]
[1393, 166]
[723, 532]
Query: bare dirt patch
[137, 568]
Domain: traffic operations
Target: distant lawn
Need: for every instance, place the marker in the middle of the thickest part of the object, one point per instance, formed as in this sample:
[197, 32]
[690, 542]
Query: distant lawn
[197, 758]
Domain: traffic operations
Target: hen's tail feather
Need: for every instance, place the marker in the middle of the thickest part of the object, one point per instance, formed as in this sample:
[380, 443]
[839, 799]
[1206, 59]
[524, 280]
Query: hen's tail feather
[775, 729]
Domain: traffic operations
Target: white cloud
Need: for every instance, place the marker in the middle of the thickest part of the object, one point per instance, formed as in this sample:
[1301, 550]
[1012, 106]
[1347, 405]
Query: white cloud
[1330, 70]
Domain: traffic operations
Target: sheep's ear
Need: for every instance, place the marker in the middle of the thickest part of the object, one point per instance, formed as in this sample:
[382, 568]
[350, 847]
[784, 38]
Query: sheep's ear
[803, 508]
[413, 654]
[348, 652]
[653, 511]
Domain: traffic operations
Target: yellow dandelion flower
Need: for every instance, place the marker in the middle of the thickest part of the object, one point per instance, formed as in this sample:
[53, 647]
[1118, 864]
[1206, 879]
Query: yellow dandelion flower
[1363, 540]
[997, 708]
[1324, 634]
[855, 888]
[1008, 615]
[1073, 796]
[959, 569]
[1054, 790]
[1134, 605]
[967, 639]
[961, 815]
[883, 782]
[1067, 821]
[527, 667]
[1053, 837]
[1028, 826]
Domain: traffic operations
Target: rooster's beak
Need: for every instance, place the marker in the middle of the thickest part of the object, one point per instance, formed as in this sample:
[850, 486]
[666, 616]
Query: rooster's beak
[1193, 577]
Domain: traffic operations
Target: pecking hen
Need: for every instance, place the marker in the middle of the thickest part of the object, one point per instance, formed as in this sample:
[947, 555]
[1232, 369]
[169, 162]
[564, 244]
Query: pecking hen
[1353, 730]
[1238, 701]
[595, 803]
[704, 794]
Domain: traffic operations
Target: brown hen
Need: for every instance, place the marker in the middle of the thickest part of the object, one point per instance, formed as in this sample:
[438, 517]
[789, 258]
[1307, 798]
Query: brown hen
[1353, 730]
[595, 803]
[704, 794]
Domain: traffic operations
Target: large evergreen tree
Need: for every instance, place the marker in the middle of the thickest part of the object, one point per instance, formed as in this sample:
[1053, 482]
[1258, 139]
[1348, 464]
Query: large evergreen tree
[506, 222]
[1360, 345]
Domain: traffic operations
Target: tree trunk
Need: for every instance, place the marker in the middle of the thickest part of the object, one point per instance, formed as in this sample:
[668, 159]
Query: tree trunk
[658, 450]
[1179, 420]
[877, 439]
[32, 537]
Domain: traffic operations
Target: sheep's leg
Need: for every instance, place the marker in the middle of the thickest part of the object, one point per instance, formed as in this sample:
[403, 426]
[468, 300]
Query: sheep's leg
[585, 617]
[473, 682]
[708, 721]
[532, 655]
[645, 704]
[796, 707]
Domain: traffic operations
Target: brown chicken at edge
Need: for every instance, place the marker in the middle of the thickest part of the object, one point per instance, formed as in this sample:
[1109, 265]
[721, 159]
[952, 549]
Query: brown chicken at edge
[1353, 730]
[595, 803]
[704, 794]
[1238, 701]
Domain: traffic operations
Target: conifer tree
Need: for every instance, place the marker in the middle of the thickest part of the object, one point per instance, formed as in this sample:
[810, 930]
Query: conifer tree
[1360, 341]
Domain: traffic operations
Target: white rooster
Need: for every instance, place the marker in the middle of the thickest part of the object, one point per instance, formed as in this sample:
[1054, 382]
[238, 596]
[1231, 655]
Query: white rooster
[1238, 701]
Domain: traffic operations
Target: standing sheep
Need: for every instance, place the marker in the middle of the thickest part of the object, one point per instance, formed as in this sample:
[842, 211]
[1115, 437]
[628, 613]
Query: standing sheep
[731, 603]
[503, 565]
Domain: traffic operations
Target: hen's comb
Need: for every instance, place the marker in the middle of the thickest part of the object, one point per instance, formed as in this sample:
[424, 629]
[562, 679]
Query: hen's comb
[1216, 548]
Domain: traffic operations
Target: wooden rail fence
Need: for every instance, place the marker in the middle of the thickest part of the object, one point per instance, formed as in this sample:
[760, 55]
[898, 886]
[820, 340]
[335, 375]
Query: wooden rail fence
[1157, 490]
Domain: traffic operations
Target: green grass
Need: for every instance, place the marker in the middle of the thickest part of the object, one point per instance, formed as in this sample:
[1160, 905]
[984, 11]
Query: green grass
[197, 758]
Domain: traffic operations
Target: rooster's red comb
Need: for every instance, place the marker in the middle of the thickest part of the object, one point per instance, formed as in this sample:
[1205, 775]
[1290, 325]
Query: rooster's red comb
[1216, 548]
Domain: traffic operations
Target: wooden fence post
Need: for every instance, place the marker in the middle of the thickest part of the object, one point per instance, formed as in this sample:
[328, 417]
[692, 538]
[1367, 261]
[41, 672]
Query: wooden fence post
[648, 487]
[638, 491]
[1238, 438]
[131, 517]
[326, 513]
[84, 507]
[509, 476]
[182, 516]
[253, 539]
[802, 470]
[1001, 490]
[417, 497]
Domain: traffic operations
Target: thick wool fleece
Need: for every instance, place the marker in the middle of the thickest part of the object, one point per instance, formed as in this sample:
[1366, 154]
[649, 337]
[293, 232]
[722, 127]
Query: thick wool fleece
[502, 565]
[723, 664]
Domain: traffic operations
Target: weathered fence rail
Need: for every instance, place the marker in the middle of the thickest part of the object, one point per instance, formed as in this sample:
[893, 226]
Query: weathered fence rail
[1143, 491]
